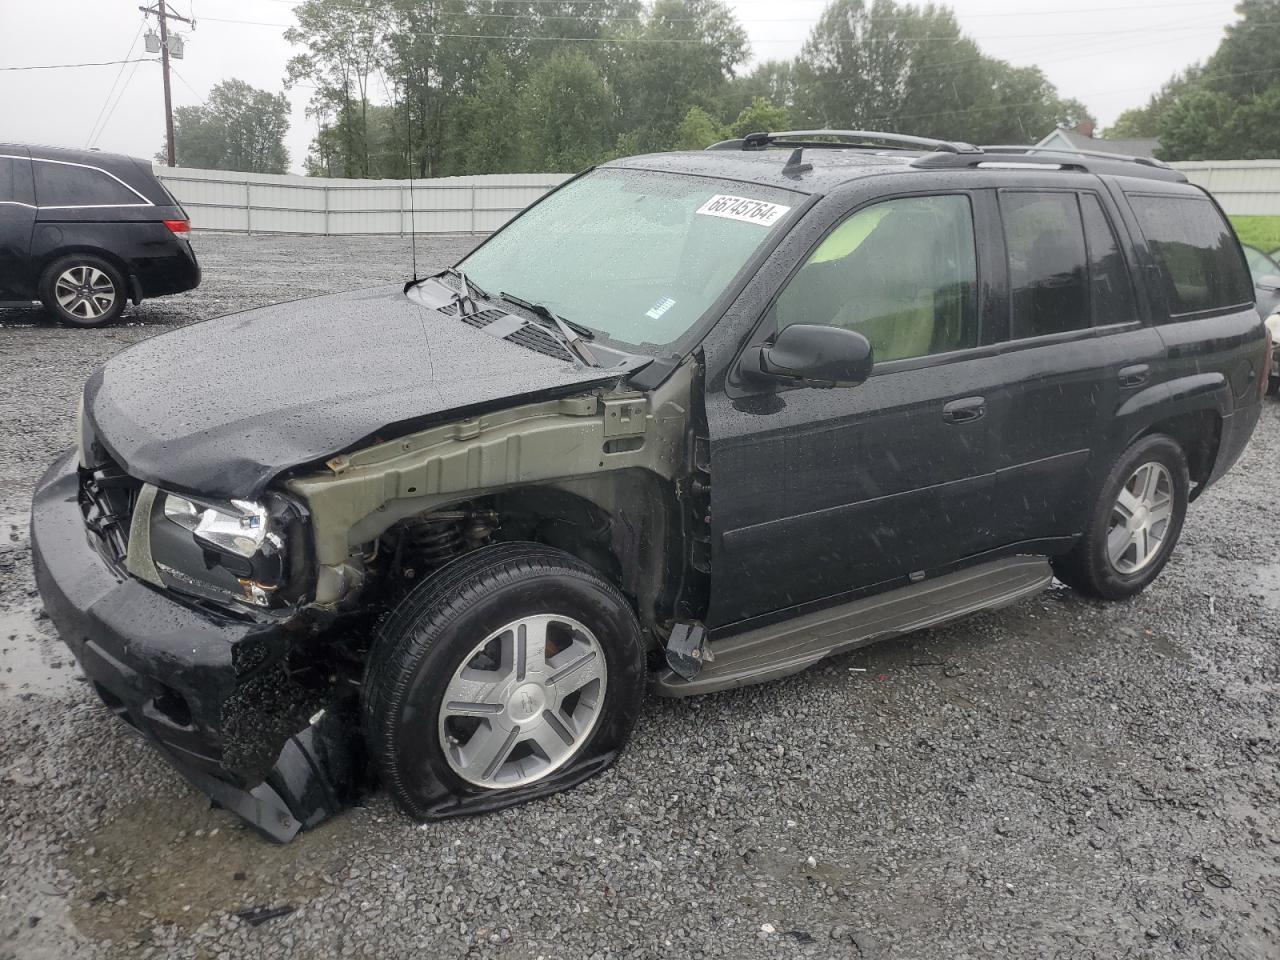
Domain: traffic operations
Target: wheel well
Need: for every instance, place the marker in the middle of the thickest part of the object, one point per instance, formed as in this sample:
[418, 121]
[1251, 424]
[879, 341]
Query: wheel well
[623, 525]
[101, 254]
[1198, 433]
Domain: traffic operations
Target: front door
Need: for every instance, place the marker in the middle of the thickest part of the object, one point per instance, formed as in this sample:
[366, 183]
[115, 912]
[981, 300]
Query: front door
[17, 218]
[821, 493]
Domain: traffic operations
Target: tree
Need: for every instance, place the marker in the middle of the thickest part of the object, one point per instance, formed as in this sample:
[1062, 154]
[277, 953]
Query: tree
[345, 44]
[908, 69]
[682, 55]
[1223, 109]
[238, 128]
[760, 115]
[698, 130]
[568, 111]
[1193, 127]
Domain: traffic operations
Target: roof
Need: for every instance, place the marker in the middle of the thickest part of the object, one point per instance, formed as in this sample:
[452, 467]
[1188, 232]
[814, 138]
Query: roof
[826, 165]
[70, 154]
[830, 167]
[1133, 147]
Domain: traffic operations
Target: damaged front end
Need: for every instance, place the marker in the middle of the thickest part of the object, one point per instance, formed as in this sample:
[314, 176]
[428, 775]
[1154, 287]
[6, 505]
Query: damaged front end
[234, 634]
[243, 702]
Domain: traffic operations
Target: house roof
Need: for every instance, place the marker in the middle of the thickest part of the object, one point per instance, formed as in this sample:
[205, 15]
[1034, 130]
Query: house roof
[1136, 147]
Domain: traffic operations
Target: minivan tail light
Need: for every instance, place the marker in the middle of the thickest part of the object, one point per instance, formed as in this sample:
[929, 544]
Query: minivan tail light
[181, 228]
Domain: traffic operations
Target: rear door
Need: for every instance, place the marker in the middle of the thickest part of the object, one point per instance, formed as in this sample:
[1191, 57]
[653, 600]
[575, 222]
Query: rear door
[818, 494]
[17, 218]
[1077, 347]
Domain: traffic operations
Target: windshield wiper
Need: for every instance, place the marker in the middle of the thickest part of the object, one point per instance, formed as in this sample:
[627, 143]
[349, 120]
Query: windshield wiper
[470, 290]
[575, 335]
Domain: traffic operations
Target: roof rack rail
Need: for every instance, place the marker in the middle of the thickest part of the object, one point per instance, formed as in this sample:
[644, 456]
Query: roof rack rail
[858, 138]
[1085, 161]
[1123, 157]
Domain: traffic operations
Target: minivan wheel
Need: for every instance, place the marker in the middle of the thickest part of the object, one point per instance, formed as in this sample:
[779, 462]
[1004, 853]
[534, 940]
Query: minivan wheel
[83, 290]
[1134, 524]
[514, 672]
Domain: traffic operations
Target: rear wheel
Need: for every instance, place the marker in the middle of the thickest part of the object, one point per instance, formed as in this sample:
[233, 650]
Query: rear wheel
[1135, 522]
[505, 676]
[83, 290]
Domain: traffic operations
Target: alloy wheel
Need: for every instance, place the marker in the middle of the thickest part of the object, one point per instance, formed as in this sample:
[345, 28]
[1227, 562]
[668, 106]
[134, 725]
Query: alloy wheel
[523, 701]
[1140, 518]
[85, 292]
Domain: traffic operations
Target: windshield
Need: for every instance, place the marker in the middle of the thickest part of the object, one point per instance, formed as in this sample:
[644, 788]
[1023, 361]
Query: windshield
[635, 255]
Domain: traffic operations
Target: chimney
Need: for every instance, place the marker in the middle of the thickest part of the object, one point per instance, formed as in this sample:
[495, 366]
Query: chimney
[1085, 128]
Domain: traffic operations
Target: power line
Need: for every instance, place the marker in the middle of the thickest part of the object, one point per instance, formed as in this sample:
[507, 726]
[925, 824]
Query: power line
[956, 38]
[65, 66]
[1061, 11]
[119, 97]
[112, 89]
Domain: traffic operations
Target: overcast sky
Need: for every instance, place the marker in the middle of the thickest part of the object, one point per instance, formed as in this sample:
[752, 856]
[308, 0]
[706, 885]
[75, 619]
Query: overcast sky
[1109, 55]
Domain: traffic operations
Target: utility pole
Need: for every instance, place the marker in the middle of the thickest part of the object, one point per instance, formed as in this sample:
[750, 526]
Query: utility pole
[164, 17]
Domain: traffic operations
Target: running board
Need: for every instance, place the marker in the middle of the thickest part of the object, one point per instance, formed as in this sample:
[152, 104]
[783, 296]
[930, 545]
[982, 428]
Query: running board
[789, 647]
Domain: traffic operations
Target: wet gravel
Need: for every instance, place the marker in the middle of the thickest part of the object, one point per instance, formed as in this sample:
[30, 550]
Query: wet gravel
[1061, 779]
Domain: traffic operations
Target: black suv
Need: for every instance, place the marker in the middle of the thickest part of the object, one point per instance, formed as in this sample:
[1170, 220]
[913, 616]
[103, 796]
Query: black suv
[84, 232]
[693, 420]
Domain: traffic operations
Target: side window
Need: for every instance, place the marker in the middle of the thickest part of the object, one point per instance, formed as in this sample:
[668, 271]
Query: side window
[66, 185]
[1047, 263]
[1108, 275]
[1198, 254]
[903, 273]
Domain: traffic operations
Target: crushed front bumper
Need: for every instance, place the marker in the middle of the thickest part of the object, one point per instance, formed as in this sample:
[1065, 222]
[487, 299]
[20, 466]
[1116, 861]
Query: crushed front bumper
[208, 690]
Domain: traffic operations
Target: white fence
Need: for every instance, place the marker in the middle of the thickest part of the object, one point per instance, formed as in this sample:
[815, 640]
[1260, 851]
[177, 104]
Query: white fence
[269, 203]
[1242, 187]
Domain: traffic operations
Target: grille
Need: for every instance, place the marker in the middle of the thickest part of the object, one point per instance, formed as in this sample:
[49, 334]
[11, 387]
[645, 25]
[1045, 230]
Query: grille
[107, 498]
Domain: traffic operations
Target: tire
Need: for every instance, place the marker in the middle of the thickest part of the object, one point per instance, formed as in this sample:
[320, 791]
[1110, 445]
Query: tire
[1096, 566]
[1273, 386]
[83, 290]
[505, 733]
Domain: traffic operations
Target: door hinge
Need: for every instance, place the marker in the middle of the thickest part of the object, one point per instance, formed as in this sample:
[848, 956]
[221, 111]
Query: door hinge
[625, 418]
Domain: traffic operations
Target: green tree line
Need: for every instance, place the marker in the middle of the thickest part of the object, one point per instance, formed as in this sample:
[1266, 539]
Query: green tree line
[1227, 108]
[500, 86]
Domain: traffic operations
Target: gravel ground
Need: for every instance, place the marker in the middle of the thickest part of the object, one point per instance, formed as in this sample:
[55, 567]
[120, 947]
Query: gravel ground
[1061, 779]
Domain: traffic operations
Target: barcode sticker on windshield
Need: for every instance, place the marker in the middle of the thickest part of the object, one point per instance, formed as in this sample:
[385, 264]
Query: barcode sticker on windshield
[659, 308]
[744, 209]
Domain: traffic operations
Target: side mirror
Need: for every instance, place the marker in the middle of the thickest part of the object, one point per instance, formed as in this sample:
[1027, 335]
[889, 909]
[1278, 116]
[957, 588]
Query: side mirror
[831, 356]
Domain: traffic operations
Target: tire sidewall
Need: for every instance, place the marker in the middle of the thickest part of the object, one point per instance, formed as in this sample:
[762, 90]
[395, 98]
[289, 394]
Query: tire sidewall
[412, 723]
[60, 266]
[1160, 449]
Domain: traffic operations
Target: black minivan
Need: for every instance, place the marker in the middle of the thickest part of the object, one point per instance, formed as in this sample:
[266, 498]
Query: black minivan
[83, 232]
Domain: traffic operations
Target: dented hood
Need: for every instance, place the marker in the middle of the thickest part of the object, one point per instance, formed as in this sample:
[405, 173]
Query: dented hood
[222, 407]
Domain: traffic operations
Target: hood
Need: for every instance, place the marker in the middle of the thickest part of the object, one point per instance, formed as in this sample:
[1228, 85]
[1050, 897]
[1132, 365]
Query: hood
[222, 407]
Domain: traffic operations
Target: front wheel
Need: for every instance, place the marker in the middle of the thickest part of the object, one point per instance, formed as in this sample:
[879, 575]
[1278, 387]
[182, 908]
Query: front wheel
[516, 671]
[1135, 522]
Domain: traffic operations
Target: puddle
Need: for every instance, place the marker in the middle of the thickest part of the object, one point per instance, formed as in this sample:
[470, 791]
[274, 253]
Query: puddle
[32, 663]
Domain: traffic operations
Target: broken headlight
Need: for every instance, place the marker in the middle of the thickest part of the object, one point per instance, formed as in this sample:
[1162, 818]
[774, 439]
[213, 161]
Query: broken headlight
[240, 550]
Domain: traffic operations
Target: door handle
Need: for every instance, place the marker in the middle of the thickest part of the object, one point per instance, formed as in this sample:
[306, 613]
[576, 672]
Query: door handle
[965, 410]
[1134, 376]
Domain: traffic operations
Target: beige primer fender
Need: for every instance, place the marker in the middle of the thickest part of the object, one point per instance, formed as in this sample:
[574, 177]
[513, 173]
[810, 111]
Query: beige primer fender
[556, 442]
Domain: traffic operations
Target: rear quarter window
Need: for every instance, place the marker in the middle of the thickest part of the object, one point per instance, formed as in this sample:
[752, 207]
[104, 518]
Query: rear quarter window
[1197, 253]
[70, 185]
